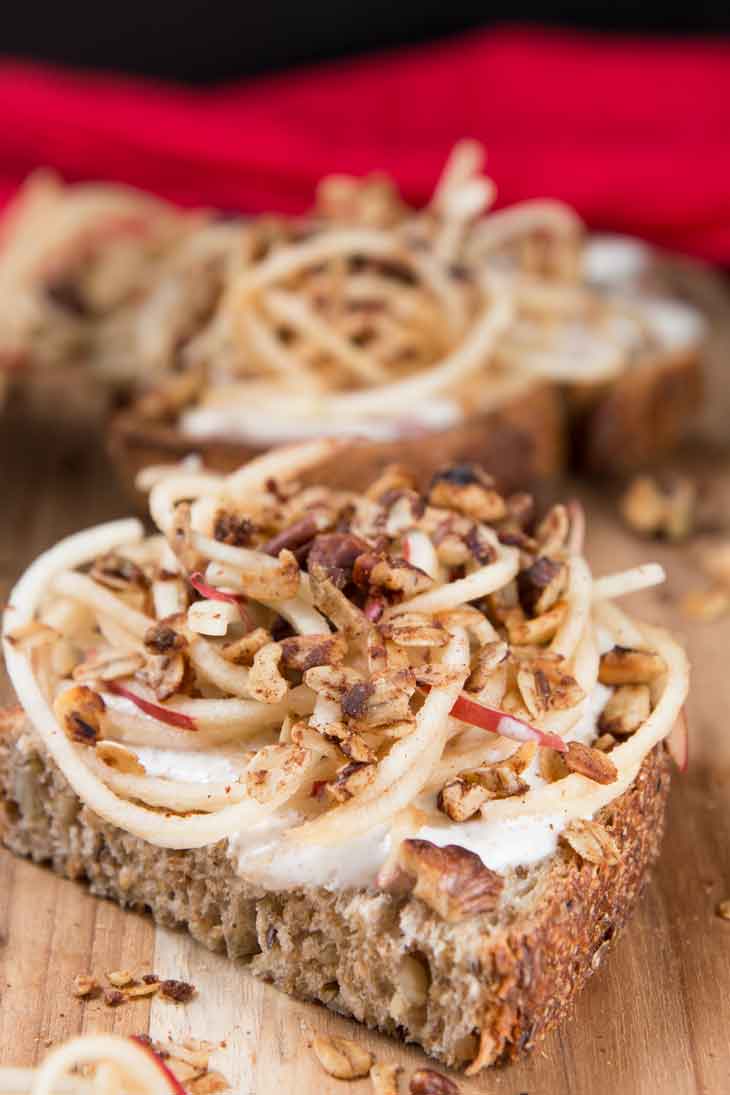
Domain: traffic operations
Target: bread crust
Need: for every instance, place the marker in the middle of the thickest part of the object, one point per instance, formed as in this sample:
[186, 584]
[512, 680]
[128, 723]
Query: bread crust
[497, 982]
[637, 418]
[521, 442]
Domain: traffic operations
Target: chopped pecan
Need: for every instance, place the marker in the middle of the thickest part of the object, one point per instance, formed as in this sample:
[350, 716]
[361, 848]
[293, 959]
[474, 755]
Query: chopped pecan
[461, 798]
[342, 1058]
[469, 490]
[79, 710]
[625, 666]
[592, 841]
[591, 763]
[626, 710]
[541, 584]
[303, 652]
[450, 880]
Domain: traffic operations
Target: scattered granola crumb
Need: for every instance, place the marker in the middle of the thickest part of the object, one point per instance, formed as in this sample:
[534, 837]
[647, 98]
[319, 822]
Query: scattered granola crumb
[706, 604]
[180, 992]
[653, 509]
[342, 1058]
[723, 909]
[85, 986]
[120, 978]
[114, 997]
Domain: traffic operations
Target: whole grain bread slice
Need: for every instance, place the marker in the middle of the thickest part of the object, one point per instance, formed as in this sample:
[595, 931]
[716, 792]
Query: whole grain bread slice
[490, 986]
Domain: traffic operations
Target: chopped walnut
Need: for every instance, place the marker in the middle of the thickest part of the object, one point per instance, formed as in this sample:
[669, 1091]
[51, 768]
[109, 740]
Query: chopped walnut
[467, 489]
[394, 477]
[541, 584]
[592, 841]
[341, 1057]
[80, 711]
[591, 763]
[461, 798]
[624, 666]
[450, 880]
[626, 710]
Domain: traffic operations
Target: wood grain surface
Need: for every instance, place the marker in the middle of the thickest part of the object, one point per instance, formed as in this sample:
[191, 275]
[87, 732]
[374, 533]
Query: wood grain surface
[656, 1018]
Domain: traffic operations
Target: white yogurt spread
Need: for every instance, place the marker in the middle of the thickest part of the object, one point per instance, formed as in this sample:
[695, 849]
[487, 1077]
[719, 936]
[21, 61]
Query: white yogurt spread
[259, 426]
[262, 857]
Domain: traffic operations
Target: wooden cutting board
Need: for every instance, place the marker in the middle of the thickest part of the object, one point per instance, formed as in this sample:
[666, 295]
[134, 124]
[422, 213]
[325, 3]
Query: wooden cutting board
[656, 1018]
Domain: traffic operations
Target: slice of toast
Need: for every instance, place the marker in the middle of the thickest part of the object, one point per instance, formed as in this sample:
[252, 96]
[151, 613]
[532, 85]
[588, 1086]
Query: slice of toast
[493, 985]
[521, 441]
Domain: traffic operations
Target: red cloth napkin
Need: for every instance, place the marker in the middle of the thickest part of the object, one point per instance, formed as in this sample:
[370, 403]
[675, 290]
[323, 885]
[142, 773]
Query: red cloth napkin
[632, 132]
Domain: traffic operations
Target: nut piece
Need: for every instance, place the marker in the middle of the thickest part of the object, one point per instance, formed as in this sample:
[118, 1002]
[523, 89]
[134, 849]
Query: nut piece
[624, 666]
[540, 629]
[341, 1057]
[541, 584]
[180, 992]
[385, 1079]
[265, 682]
[119, 758]
[652, 510]
[450, 880]
[414, 629]
[79, 710]
[303, 652]
[723, 909]
[351, 780]
[592, 841]
[627, 709]
[85, 986]
[427, 1082]
[706, 604]
[591, 763]
[120, 978]
[468, 489]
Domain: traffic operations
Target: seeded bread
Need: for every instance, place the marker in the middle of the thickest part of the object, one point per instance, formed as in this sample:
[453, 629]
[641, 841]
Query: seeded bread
[491, 986]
